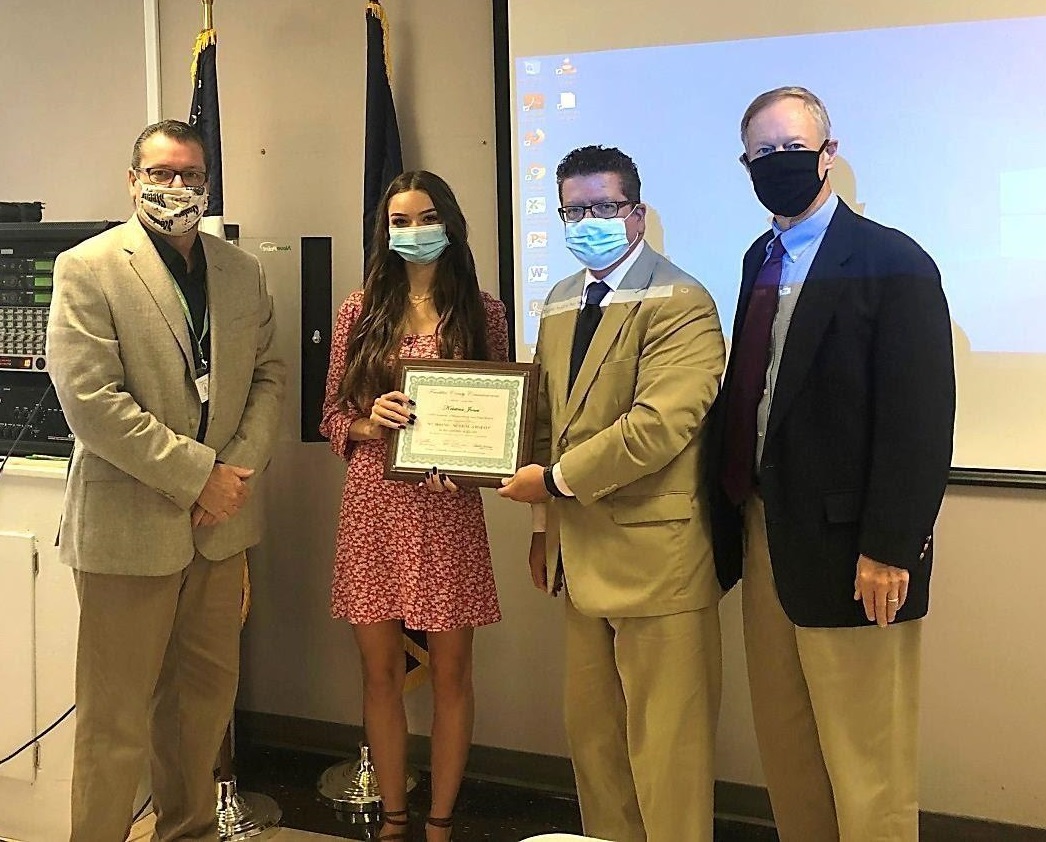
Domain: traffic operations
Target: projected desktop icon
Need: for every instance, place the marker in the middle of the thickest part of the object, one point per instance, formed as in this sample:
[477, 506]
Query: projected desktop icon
[534, 138]
[536, 205]
[566, 68]
[533, 102]
[532, 68]
[535, 308]
[535, 172]
[567, 101]
[537, 275]
[537, 240]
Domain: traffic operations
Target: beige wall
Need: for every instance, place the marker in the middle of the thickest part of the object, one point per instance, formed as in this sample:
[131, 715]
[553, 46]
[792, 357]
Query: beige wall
[540, 27]
[291, 82]
[72, 100]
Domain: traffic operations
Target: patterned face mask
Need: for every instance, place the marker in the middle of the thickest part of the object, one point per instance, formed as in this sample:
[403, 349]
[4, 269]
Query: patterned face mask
[171, 210]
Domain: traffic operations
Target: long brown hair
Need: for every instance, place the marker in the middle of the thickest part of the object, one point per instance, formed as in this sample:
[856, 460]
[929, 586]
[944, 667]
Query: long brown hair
[375, 338]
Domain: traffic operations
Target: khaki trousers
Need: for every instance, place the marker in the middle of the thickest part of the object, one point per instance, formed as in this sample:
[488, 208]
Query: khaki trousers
[642, 700]
[157, 660]
[836, 714]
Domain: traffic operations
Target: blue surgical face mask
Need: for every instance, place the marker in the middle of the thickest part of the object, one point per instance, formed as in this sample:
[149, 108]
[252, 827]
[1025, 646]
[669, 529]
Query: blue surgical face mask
[598, 243]
[419, 244]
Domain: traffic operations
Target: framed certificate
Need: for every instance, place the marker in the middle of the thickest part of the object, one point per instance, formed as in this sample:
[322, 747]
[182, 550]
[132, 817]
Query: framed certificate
[475, 421]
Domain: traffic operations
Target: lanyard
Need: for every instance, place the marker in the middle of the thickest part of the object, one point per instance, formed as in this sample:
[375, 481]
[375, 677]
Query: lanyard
[197, 340]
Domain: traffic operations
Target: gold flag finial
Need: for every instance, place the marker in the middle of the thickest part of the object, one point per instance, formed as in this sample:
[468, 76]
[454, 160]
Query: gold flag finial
[374, 8]
[205, 38]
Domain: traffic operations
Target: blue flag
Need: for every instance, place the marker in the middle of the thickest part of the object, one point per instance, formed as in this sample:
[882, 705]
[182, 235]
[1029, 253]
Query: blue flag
[382, 158]
[382, 162]
[203, 114]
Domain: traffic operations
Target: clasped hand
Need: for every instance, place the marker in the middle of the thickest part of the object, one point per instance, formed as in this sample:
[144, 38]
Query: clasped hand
[223, 495]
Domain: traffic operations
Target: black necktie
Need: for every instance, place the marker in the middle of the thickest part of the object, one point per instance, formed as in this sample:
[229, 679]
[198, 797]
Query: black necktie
[585, 328]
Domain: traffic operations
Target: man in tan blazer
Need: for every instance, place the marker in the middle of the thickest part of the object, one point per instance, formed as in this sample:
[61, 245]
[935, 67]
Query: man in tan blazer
[631, 352]
[160, 346]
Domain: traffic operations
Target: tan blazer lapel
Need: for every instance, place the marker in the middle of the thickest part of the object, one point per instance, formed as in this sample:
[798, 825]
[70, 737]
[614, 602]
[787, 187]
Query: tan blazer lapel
[558, 320]
[148, 265]
[617, 312]
[609, 327]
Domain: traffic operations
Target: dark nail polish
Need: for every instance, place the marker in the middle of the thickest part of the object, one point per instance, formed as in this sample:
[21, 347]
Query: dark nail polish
[402, 427]
[411, 402]
[435, 470]
[413, 417]
[443, 477]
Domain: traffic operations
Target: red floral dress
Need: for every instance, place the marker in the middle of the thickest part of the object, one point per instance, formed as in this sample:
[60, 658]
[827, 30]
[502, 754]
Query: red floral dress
[402, 552]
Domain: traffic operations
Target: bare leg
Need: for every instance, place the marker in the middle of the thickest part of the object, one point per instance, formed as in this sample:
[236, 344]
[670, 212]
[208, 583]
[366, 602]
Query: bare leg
[384, 717]
[450, 660]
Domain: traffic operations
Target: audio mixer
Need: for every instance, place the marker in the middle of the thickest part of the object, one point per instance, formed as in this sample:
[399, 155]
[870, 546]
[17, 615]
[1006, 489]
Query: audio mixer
[27, 258]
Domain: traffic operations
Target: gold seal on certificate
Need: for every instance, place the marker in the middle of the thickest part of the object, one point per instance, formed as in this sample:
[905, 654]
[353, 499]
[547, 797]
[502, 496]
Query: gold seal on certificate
[475, 421]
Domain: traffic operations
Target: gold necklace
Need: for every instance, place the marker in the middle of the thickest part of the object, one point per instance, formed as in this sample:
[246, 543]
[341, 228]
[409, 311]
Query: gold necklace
[418, 299]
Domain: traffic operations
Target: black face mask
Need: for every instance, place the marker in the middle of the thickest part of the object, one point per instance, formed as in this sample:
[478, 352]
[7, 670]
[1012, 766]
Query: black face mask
[787, 182]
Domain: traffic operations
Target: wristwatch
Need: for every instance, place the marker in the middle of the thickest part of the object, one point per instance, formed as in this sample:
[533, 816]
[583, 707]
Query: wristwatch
[550, 483]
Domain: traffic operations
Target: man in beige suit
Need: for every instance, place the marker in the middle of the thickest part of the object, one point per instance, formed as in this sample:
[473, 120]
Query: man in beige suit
[631, 352]
[160, 346]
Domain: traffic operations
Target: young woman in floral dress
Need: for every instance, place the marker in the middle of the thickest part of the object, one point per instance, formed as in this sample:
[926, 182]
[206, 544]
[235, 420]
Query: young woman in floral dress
[409, 554]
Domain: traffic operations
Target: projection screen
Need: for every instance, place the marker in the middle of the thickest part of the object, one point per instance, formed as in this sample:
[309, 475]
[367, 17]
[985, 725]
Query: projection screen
[938, 120]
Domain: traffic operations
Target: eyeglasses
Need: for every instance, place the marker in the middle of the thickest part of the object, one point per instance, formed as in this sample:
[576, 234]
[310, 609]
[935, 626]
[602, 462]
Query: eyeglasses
[600, 210]
[164, 176]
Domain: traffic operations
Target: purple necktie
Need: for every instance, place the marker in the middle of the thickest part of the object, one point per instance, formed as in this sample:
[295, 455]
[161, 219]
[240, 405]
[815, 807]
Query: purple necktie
[749, 379]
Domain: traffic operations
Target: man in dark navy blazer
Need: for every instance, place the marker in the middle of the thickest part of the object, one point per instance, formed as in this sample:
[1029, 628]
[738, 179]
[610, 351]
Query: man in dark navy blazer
[829, 450]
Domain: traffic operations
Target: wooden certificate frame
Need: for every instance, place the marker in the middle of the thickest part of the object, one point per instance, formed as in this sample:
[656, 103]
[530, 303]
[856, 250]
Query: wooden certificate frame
[475, 421]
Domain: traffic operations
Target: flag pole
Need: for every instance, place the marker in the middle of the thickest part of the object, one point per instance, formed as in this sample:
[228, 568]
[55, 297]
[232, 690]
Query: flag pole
[153, 110]
[240, 815]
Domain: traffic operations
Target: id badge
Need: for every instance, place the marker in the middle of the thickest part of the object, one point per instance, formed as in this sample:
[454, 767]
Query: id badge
[203, 387]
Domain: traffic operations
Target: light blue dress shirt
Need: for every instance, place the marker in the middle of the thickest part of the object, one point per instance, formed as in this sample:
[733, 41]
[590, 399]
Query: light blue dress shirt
[801, 243]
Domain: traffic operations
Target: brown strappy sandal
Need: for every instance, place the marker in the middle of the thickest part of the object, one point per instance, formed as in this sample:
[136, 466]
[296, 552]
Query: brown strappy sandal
[394, 818]
[442, 824]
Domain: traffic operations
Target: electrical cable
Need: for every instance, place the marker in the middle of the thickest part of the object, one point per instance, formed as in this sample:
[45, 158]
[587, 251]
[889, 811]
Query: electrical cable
[48, 730]
[39, 736]
[141, 810]
[25, 426]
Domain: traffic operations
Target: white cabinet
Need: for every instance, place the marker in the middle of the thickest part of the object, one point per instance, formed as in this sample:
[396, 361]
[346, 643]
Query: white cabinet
[38, 620]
